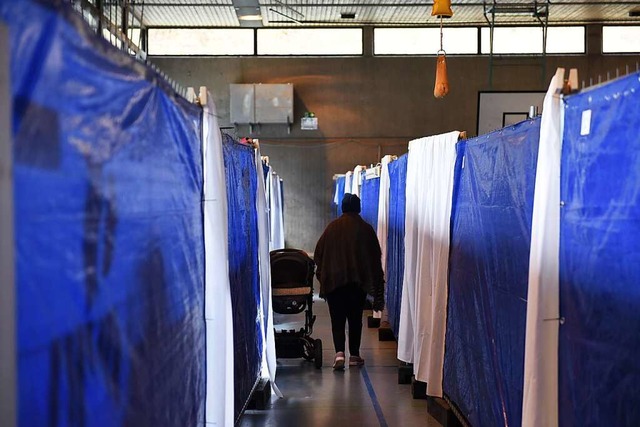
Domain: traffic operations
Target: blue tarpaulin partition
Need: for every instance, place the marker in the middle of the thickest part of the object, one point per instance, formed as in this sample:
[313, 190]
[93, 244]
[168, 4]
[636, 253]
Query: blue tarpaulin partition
[370, 193]
[599, 373]
[488, 274]
[241, 177]
[338, 195]
[395, 239]
[109, 237]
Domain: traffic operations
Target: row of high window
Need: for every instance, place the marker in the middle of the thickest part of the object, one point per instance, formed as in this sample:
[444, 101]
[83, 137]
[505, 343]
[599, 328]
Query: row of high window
[386, 41]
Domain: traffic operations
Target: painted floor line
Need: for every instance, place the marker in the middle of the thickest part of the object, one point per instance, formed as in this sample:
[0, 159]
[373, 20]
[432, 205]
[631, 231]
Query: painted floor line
[374, 398]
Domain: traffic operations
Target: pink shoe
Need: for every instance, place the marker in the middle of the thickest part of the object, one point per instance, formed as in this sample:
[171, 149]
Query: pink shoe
[338, 363]
[356, 361]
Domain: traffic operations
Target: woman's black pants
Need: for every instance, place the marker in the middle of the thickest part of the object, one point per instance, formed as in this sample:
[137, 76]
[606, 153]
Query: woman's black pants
[347, 303]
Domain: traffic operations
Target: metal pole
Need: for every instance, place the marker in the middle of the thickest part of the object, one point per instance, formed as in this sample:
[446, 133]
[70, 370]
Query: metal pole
[545, 28]
[491, 25]
[8, 395]
[125, 24]
[144, 39]
[100, 8]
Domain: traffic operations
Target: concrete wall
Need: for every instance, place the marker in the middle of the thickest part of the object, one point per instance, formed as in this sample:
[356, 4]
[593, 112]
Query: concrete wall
[367, 107]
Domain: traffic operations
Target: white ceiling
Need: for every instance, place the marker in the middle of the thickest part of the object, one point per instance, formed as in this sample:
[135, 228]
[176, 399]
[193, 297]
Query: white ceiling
[221, 13]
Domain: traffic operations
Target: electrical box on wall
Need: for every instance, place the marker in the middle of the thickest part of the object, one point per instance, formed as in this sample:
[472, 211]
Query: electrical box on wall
[274, 103]
[243, 104]
[261, 103]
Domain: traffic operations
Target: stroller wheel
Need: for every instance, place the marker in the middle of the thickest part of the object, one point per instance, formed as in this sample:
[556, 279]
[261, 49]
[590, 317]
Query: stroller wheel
[308, 349]
[317, 348]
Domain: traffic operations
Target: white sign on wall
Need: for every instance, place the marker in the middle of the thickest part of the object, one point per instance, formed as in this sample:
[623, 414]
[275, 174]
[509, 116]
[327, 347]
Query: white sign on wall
[309, 123]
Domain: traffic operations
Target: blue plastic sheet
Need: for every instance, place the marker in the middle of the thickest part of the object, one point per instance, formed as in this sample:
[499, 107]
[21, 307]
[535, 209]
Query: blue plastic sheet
[109, 236]
[488, 274]
[241, 178]
[339, 191]
[370, 193]
[599, 373]
[395, 239]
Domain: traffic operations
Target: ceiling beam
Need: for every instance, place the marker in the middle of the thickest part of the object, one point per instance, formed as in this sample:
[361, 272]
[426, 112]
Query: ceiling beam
[385, 5]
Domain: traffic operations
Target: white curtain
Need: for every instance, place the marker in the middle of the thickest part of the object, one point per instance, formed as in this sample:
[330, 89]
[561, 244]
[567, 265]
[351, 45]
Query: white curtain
[348, 180]
[266, 313]
[218, 311]
[383, 208]
[357, 180]
[276, 210]
[423, 313]
[540, 392]
[383, 215]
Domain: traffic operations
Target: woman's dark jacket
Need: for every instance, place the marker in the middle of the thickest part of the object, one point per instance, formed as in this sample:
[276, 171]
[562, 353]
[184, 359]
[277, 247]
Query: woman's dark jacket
[348, 252]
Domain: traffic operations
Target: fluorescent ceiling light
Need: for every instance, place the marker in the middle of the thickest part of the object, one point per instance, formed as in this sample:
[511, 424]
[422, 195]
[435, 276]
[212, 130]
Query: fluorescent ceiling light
[248, 13]
[250, 17]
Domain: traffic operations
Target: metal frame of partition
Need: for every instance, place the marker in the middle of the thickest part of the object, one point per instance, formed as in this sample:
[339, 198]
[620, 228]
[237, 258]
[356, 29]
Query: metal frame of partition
[118, 17]
[8, 391]
[539, 10]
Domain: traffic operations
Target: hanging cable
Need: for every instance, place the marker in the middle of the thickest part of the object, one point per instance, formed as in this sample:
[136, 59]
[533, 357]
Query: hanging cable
[441, 29]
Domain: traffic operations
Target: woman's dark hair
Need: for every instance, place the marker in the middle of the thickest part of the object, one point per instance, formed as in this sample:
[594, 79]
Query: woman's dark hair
[350, 203]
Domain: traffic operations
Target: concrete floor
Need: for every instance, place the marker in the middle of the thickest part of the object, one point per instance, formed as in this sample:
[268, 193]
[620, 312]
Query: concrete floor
[369, 396]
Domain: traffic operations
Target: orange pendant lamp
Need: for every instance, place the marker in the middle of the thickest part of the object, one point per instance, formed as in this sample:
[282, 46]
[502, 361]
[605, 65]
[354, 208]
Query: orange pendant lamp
[442, 8]
[441, 88]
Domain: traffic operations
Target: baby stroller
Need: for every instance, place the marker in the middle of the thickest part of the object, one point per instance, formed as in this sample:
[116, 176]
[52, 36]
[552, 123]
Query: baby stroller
[292, 293]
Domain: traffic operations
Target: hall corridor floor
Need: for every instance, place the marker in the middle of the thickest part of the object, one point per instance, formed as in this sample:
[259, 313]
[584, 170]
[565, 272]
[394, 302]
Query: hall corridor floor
[367, 396]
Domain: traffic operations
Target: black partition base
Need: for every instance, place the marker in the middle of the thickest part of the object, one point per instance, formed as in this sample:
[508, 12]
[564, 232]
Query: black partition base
[373, 322]
[405, 373]
[261, 396]
[418, 389]
[385, 334]
[443, 412]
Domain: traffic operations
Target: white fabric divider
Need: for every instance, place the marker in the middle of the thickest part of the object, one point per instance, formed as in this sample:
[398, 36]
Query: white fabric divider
[540, 392]
[348, 180]
[218, 310]
[423, 314]
[276, 208]
[336, 196]
[383, 217]
[383, 208]
[268, 191]
[264, 262]
[357, 180]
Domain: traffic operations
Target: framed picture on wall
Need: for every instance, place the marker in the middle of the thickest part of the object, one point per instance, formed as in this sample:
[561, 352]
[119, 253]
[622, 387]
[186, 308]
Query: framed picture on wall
[511, 118]
[497, 109]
